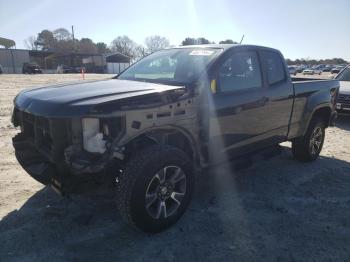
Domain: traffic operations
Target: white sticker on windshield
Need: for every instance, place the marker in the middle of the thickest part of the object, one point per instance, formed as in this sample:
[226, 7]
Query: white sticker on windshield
[202, 52]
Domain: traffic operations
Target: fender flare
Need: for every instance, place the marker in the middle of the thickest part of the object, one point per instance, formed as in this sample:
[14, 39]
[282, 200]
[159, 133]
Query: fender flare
[188, 135]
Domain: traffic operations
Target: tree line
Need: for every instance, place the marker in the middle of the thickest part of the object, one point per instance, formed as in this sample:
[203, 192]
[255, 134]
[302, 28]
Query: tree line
[62, 41]
[307, 61]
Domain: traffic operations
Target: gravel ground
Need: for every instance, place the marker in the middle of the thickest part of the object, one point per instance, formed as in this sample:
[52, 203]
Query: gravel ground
[276, 210]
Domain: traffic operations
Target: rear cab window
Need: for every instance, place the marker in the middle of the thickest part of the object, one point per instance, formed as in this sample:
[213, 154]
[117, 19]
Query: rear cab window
[274, 66]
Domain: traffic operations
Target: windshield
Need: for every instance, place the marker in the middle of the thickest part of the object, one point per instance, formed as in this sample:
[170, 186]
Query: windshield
[344, 75]
[177, 66]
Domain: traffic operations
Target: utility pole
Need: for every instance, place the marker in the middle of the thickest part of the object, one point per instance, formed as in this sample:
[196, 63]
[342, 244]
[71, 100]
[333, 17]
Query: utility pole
[72, 60]
[13, 62]
[73, 34]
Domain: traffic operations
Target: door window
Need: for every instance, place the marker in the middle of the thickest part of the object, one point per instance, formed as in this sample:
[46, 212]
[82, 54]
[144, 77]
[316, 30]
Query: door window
[240, 71]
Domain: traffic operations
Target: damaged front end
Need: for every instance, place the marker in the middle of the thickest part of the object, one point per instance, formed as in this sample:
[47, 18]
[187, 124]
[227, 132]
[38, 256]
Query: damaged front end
[74, 136]
[67, 153]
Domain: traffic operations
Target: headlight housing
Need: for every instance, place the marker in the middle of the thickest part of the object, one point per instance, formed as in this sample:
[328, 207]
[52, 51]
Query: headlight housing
[92, 136]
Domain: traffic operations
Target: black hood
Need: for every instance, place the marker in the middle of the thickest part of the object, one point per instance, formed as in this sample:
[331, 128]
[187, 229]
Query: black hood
[78, 99]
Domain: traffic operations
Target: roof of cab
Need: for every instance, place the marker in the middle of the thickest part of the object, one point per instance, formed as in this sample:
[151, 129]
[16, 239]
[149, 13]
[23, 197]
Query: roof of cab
[218, 46]
[227, 46]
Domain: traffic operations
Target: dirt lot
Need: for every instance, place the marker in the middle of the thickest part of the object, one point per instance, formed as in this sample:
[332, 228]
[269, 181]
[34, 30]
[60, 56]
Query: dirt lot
[277, 210]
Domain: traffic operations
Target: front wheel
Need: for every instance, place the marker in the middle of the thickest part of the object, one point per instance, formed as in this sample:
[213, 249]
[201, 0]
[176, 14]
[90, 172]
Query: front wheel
[155, 188]
[308, 147]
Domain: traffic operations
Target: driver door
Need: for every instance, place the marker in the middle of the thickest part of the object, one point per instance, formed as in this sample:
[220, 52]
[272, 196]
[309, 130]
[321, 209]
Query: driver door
[237, 109]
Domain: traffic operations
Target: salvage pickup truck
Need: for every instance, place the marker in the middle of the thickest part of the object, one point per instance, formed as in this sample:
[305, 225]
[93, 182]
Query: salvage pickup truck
[150, 129]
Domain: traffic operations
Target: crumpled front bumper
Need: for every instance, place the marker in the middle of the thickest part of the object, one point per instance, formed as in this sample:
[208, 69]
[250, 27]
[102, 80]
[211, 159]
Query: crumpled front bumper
[63, 178]
[32, 161]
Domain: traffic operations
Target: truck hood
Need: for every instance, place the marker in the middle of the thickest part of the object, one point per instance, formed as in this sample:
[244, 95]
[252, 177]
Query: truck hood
[79, 99]
[344, 87]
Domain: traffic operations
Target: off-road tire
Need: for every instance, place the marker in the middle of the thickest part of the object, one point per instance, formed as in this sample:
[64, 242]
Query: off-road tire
[301, 146]
[135, 179]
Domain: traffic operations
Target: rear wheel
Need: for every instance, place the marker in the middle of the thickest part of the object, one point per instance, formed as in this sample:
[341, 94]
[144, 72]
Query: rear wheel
[308, 147]
[155, 188]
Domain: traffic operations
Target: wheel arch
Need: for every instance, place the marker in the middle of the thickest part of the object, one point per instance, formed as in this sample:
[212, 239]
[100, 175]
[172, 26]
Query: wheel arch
[322, 111]
[167, 135]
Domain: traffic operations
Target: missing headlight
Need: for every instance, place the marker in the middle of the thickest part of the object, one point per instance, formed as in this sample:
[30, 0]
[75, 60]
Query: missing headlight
[92, 136]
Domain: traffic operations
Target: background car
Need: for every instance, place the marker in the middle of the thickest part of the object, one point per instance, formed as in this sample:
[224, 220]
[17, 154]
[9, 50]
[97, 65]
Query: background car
[328, 68]
[312, 71]
[79, 69]
[343, 101]
[63, 69]
[301, 68]
[337, 69]
[292, 70]
[319, 67]
[29, 68]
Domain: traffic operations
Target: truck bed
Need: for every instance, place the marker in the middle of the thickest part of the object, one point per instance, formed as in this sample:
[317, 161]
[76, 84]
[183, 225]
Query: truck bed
[307, 79]
[302, 85]
[310, 94]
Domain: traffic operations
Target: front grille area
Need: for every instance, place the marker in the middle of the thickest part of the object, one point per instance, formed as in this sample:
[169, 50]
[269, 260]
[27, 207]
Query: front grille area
[344, 99]
[43, 134]
[50, 136]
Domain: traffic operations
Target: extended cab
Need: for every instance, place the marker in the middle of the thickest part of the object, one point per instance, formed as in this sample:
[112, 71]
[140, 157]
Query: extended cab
[175, 112]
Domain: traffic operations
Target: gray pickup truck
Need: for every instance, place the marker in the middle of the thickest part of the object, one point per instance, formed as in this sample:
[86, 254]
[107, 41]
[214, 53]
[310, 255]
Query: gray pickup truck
[177, 111]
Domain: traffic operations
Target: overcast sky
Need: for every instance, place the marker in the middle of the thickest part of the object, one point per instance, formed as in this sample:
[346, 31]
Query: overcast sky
[299, 28]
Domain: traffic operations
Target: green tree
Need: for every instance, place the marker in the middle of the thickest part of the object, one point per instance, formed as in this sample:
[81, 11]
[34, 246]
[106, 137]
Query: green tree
[228, 41]
[289, 62]
[202, 41]
[189, 41]
[45, 40]
[86, 45]
[195, 41]
[102, 48]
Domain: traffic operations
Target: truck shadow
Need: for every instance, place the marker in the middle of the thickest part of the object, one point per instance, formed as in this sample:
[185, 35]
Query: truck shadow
[275, 210]
[343, 122]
